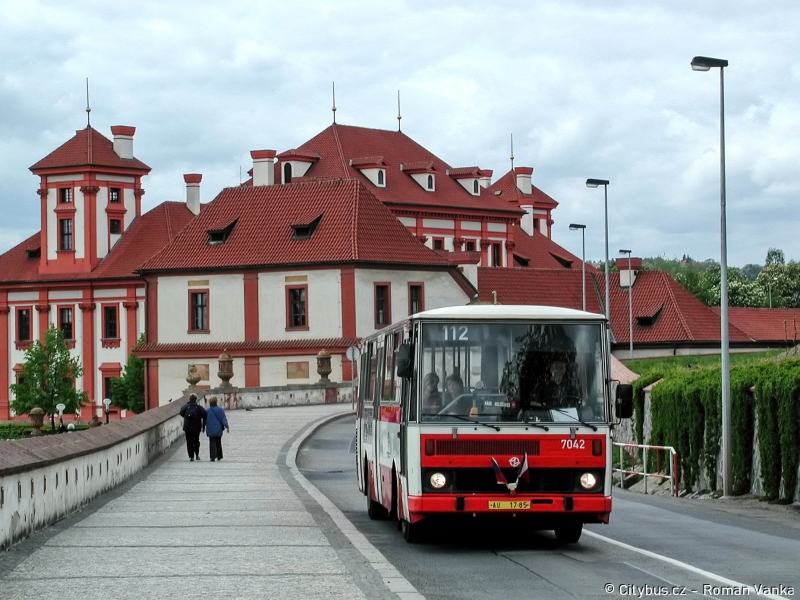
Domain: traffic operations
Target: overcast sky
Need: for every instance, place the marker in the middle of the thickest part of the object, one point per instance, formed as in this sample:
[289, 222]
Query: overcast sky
[589, 88]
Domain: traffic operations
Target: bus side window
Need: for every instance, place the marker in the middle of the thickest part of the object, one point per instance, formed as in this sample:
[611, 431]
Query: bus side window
[388, 394]
[363, 380]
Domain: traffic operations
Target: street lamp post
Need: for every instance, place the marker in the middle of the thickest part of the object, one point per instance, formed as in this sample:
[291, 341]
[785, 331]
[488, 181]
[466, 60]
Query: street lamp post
[704, 63]
[107, 402]
[630, 301]
[575, 227]
[593, 183]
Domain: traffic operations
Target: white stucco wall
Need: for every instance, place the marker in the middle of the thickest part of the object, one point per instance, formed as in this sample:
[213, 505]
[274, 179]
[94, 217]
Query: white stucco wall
[172, 376]
[226, 308]
[323, 304]
[272, 370]
[440, 290]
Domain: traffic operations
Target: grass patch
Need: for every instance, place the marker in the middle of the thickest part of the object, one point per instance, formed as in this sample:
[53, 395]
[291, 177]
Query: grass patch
[669, 363]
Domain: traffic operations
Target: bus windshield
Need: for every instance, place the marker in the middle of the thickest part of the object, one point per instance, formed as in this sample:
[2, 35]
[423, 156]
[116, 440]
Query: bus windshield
[512, 372]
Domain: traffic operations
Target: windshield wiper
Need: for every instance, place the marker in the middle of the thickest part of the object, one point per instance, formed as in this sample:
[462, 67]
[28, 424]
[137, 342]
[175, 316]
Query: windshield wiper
[535, 424]
[463, 418]
[577, 420]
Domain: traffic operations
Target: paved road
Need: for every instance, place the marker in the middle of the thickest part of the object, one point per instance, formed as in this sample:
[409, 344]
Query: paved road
[692, 544]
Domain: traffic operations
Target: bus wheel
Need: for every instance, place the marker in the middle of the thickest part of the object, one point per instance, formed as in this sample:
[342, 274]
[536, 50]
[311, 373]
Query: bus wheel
[412, 532]
[375, 510]
[569, 533]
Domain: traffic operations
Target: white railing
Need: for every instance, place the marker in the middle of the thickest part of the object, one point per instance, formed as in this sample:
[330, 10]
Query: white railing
[631, 449]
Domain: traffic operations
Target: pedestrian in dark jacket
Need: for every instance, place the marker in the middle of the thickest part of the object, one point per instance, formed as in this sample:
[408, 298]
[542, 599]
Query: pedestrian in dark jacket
[215, 423]
[194, 421]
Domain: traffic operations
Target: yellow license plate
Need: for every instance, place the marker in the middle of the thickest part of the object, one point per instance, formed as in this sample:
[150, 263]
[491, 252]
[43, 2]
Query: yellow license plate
[509, 505]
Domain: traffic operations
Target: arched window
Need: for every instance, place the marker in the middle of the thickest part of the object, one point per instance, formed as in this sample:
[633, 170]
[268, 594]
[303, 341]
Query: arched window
[475, 187]
[430, 182]
[287, 172]
[380, 177]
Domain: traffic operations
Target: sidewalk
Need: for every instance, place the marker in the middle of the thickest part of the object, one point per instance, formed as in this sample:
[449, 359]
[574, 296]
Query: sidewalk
[239, 528]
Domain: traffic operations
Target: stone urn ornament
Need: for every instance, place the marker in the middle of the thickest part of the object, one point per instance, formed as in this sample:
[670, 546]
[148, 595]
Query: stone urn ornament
[193, 376]
[324, 366]
[225, 372]
[37, 419]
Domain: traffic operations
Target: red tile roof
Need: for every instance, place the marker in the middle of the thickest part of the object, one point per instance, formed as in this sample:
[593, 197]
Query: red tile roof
[544, 287]
[146, 236]
[338, 144]
[88, 147]
[766, 324]
[355, 227]
[683, 318]
[509, 192]
[544, 253]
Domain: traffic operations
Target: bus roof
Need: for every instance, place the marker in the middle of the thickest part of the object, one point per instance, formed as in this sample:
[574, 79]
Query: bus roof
[506, 311]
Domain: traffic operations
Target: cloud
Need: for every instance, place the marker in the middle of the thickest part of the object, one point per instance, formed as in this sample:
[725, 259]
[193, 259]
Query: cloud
[601, 89]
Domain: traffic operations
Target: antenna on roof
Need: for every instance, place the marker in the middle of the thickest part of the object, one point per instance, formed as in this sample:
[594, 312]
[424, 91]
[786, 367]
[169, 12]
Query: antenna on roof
[399, 116]
[334, 103]
[512, 151]
[88, 108]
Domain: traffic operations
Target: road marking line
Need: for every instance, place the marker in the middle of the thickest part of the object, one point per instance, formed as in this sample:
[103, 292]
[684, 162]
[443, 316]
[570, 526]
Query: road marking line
[682, 565]
[390, 576]
[673, 584]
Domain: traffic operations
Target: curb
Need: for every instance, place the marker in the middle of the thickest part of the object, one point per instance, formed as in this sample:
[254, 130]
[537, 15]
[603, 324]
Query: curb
[391, 577]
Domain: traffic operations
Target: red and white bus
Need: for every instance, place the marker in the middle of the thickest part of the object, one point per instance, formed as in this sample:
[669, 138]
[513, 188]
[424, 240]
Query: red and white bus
[489, 410]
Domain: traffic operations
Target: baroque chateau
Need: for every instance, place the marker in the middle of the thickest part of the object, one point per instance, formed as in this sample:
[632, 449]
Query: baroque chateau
[325, 243]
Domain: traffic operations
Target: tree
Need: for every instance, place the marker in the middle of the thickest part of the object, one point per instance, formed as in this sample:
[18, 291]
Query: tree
[128, 391]
[774, 257]
[48, 377]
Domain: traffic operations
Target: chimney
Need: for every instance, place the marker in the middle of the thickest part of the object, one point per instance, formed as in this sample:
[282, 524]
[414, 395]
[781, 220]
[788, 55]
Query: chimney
[526, 222]
[123, 140]
[627, 277]
[523, 175]
[263, 166]
[486, 178]
[193, 192]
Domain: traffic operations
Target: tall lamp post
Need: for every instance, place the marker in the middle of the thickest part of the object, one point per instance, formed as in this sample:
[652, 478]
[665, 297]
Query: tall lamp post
[575, 227]
[704, 63]
[593, 183]
[630, 301]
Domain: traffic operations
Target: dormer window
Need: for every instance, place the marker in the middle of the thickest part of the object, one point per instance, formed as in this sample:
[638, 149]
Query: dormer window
[371, 167]
[476, 188]
[34, 252]
[304, 231]
[221, 231]
[287, 172]
[381, 178]
[430, 183]
[65, 195]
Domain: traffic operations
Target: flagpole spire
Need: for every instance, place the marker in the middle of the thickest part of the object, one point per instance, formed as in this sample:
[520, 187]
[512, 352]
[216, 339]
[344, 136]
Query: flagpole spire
[512, 151]
[334, 102]
[88, 108]
[399, 116]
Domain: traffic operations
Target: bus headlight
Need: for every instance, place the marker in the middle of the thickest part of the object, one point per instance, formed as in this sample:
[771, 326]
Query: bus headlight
[437, 480]
[588, 481]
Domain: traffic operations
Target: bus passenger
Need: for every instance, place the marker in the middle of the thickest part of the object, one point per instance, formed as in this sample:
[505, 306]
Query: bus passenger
[431, 397]
[454, 387]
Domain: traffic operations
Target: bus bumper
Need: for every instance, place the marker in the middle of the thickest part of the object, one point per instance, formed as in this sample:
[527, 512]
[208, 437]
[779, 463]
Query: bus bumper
[589, 508]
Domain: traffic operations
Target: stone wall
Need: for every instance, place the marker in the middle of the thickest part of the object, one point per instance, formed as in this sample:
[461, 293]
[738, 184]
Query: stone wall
[288, 395]
[43, 479]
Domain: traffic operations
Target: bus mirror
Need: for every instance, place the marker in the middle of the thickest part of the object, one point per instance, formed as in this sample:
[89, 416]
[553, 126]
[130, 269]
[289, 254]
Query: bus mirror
[624, 404]
[405, 360]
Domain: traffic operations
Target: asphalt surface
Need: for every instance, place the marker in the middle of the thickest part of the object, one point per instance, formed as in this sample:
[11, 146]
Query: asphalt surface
[653, 548]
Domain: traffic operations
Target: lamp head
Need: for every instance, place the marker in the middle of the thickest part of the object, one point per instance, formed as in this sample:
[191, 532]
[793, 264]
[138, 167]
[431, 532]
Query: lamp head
[593, 183]
[704, 63]
[576, 226]
[625, 251]
[107, 402]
